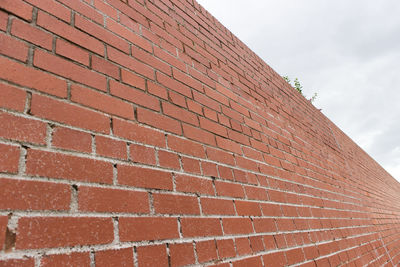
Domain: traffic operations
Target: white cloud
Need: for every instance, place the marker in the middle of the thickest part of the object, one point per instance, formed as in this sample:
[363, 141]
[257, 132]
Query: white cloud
[347, 51]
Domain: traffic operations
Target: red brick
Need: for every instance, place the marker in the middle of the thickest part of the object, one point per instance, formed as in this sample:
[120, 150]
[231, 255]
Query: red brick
[69, 70]
[237, 225]
[213, 127]
[9, 158]
[112, 200]
[12, 98]
[264, 225]
[175, 204]
[72, 140]
[229, 145]
[220, 156]
[191, 184]
[105, 67]
[225, 173]
[143, 177]
[22, 129]
[133, 79]
[209, 169]
[64, 30]
[168, 160]
[150, 256]
[57, 165]
[12, 47]
[110, 148]
[294, 256]
[198, 135]
[134, 95]
[311, 252]
[217, 206]
[3, 229]
[161, 54]
[253, 262]
[174, 85]
[206, 251]
[128, 35]
[117, 258]
[274, 259]
[181, 254]
[271, 209]
[157, 90]
[106, 9]
[178, 99]
[26, 262]
[71, 51]
[142, 154]
[247, 208]
[189, 81]
[186, 146]
[148, 228]
[137, 133]
[180, 114]
[84, 9]
[31, 78]
[50, 232]
[191, 165]
[229, 189]
[101, 33]
[243, 246]
[54, 8]
[269, 242]
[36, 195]
[55, 110]
[18, 8]
[150, 60]
[75, 259]
[3, 20]
[197, 227]
[226, 248]
[159, 121]
[130, 63]
[256, 243]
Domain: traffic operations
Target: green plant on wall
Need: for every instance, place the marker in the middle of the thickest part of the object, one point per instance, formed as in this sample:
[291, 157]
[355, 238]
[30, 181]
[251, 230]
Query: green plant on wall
[299, 87]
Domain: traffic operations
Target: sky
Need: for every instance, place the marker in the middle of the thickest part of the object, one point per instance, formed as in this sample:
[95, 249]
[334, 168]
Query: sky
[348, 52]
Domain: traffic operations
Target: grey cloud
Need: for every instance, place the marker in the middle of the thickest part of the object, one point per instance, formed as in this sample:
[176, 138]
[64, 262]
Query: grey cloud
[347, 51]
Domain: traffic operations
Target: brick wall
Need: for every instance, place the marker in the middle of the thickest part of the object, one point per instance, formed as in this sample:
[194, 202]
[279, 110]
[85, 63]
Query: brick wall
[143, 133]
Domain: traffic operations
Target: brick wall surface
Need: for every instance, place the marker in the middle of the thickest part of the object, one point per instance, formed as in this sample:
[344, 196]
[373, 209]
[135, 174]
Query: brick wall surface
[144, 133]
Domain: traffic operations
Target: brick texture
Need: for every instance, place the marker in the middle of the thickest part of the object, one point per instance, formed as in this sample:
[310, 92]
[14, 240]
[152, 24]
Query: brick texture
[144, 133]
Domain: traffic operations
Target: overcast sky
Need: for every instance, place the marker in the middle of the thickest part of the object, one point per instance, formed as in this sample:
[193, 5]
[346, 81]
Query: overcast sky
[346, 51]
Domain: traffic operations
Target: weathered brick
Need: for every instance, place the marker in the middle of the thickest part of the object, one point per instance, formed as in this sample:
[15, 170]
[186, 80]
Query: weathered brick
[62, 166]
[51, 109]
[148, 228]
[9, 158]
[51, 232]
[191, 184]
[12, 47]
[110, 148]
[198, 227]
[143, 177]
[181, 254]
[175, 204]
[37, 195]
[70, 139]
[69, 70]
[121, 257]
[142, 154]
[72, 259]
[149, 256]
[135, 132]
[32, 78]
[112, 200]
